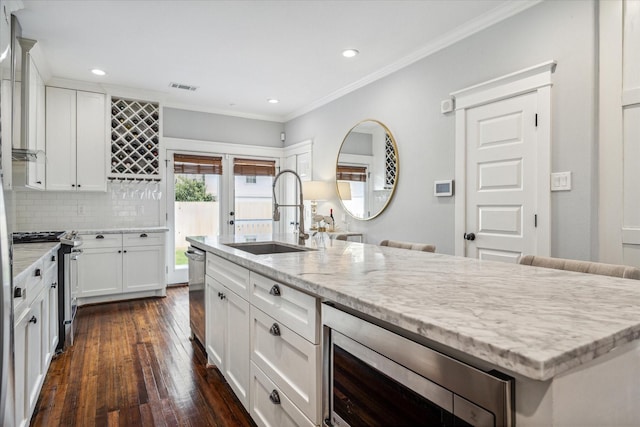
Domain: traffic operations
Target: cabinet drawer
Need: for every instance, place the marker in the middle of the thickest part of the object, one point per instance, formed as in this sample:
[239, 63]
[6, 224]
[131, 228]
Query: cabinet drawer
[51, 260]
[270, 407]
[290, 361]
[35, 280]
[20, 302]
[298, 311]
[143, 239]
[106, 240]
[229, 274]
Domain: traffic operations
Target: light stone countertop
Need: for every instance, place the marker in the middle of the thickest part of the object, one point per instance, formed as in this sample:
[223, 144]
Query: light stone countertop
[27, 254]
[532, 321]
[155, 229]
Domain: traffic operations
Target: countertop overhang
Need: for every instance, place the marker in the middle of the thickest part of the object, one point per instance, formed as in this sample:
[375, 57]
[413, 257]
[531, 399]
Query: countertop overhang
[532, 321]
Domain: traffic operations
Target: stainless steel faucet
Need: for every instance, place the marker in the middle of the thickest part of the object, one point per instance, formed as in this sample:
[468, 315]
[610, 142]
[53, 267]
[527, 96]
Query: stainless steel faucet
[302, 236]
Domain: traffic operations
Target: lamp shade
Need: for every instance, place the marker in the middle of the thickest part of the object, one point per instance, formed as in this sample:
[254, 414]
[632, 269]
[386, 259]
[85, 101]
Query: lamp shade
[344, 190]
[316, 190]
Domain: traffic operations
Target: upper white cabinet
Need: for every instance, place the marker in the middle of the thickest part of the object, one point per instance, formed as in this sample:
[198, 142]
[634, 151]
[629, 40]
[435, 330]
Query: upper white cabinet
[76, 140]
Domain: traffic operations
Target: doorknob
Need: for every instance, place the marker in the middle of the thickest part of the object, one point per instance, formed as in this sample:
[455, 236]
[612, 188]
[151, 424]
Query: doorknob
[469, 236]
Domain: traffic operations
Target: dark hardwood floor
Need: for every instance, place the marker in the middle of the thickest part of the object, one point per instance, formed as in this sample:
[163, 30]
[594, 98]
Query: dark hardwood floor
[133, 364]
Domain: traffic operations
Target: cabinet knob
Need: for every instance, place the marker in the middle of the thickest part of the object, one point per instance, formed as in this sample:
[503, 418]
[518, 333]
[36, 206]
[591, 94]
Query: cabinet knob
[38, 273]
[53, 257]
[17, 293]
[54, 285]
[38, 182]
[275, 290]
[144, 235]
[79, 185]
[125, 252]
[73, 185]
[99, 236]
[275, 330]
[33, 320]
[119, 252]
[274, 397]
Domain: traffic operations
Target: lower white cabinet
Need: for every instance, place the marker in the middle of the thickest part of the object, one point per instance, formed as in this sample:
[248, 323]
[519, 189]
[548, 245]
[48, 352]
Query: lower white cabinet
[270, 407]
[267, 348]
[227, 336]
[116, 265]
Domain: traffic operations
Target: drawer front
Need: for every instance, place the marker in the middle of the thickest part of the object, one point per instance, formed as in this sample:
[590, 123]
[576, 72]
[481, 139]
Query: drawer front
[290, 361]
[143, 239]
[112, 240]
[300, 312]
[35, 280]
[229, 274]
[270, 407]
[51, 260]
[20, 302]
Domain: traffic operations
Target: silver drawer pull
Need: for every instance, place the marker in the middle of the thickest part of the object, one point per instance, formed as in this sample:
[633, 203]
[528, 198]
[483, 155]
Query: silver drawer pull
[274, 397]
[275, 291]
[275, 330]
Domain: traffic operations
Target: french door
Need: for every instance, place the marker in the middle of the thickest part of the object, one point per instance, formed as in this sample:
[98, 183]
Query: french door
[214, 194]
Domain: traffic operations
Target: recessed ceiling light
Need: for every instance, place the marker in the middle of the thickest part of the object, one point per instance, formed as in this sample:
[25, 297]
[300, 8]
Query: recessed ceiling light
[98, 72]
[272, 101]
[350, 53]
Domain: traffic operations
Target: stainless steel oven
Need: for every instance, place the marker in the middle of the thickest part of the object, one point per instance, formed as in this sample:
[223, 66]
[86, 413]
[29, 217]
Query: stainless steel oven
[375, 377]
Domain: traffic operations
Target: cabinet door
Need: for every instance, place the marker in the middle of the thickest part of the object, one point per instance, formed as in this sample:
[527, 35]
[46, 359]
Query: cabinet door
[61, 138]
[215, 315]
[34, 353]
[236, 366]
[143, 268]
[50, 335]
[20, 367]
[91, 142]
[99, 272]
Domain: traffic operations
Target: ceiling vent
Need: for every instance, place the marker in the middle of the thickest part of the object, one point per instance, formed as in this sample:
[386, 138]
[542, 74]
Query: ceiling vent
[183, 86]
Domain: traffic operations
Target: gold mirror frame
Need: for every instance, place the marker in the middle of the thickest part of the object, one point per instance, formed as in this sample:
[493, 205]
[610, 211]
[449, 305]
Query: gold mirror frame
[392, 190]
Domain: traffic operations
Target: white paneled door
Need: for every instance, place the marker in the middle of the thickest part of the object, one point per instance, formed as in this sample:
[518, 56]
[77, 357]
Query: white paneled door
[501, 179]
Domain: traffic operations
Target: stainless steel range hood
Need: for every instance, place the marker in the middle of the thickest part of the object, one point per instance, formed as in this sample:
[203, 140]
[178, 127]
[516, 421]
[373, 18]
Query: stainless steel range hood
[20, 77]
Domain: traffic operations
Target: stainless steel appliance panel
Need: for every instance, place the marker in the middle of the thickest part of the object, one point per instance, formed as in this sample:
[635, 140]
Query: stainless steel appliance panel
[376, 377]
[196, 293]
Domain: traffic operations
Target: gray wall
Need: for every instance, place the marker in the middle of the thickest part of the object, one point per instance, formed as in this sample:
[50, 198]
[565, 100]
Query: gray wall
[219, 128]
[408, 102]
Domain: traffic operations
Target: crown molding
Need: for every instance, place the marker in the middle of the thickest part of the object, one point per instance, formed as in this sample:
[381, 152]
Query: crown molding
[474, 26]
[203, 109]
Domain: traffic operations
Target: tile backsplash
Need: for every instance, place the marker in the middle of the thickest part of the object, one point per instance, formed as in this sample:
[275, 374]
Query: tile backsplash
[52, 211]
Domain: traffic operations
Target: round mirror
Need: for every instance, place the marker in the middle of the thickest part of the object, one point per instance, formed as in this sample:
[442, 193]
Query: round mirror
[367, 169]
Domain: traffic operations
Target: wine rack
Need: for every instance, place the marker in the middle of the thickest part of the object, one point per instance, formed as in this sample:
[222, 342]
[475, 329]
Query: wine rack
[135, 139]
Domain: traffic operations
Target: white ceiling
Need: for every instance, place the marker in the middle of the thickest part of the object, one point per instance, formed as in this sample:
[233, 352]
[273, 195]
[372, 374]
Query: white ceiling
[240, 53]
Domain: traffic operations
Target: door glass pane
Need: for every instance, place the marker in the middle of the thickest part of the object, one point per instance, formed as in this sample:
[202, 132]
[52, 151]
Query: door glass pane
[197, 209]
[253, 207]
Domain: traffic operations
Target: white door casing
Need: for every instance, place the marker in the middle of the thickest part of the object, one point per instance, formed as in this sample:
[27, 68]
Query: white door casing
[503, 139]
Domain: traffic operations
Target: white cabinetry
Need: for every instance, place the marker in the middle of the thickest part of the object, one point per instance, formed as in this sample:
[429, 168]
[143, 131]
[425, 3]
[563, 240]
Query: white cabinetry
[35, 337]
[121, 266]
[264, 336]
[76, 140]
[227, 331]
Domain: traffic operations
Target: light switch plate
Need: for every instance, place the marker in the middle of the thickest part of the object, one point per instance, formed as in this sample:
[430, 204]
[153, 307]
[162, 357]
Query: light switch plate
[561, 181]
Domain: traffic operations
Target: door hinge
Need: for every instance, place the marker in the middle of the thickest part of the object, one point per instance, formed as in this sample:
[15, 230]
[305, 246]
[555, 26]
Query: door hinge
[536, 119]
[535, 220]
[167, 269]
[166, 216]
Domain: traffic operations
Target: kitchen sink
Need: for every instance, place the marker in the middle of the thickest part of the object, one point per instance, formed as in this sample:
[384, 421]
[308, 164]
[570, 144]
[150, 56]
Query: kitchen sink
[264, 248]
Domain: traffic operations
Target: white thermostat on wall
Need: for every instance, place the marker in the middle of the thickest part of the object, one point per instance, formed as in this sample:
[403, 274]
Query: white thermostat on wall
[443, 188]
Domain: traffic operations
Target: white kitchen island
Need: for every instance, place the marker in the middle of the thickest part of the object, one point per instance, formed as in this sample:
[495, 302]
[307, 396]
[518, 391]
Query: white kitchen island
[570, 340]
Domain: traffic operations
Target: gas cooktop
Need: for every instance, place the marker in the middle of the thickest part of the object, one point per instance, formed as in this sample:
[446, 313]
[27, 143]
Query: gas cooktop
[37, 236]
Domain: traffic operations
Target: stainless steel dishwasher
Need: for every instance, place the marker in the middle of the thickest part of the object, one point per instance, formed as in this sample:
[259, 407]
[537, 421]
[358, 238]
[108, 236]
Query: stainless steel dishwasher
[196, 293]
